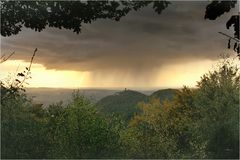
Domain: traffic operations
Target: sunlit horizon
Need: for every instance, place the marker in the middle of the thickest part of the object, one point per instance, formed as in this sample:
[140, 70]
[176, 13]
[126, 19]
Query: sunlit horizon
[169, 76]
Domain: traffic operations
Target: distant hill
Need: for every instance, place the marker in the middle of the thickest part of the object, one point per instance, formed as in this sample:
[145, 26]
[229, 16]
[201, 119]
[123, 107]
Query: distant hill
[108, 101]
[164, 94]
[123, 103]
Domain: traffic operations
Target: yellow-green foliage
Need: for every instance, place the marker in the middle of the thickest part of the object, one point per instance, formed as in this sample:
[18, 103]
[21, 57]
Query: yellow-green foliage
[197, 123]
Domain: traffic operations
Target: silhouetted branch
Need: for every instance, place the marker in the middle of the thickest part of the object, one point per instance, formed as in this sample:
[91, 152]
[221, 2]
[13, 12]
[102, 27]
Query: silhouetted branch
[233, 38]
[28, 69]
[14, 88]
[236, 47]
[3, 59]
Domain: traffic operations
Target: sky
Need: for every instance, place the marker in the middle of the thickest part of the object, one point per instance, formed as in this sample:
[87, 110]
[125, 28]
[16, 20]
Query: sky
[143, 50]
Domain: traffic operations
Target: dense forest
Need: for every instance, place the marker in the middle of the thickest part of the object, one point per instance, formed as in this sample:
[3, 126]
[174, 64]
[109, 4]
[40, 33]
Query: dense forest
[189, 123]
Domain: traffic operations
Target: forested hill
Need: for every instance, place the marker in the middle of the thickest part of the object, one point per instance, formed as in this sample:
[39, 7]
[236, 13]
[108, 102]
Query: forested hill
[122, 103]
[125, 103]
[164, 94]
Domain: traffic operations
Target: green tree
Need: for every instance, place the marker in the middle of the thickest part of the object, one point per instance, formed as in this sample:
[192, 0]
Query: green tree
[149, 132]
[218, 101]
[197, 123]
[22, 129]
[78, 131]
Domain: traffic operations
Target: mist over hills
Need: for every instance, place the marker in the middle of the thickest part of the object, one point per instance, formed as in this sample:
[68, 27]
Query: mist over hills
[48, 96]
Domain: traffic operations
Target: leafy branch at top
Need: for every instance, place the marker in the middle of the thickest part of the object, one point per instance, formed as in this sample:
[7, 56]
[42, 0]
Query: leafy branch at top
[70, 15]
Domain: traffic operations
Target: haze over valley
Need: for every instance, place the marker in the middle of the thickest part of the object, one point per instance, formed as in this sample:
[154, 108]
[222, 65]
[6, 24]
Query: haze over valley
[41, 95]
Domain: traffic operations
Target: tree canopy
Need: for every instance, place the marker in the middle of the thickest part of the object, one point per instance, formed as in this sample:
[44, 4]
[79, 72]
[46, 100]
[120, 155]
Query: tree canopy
[65, 14]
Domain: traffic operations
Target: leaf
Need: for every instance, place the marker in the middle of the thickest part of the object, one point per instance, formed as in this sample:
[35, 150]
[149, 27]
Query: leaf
[234, 21]
[229, 43]
[235, 47]
[21, 74]
[217, 8]
[18, 80]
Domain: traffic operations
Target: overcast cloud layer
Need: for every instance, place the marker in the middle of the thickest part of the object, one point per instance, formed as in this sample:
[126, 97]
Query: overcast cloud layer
[140, 43]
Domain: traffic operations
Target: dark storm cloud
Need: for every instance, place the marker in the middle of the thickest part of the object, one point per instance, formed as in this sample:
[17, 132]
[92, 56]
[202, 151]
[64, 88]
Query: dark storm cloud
[141, 42]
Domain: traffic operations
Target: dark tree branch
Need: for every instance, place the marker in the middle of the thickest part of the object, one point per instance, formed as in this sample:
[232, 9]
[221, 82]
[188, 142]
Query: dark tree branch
[3, 59]
[28, 70]
[233, 38]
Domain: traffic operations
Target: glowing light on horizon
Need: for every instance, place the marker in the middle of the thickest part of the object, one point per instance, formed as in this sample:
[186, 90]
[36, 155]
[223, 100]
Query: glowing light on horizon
[172, 75]
[43, 77]
[188, 74]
